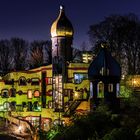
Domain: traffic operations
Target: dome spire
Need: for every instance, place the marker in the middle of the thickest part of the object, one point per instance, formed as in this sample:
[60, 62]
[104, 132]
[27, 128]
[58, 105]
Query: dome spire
[62, 26]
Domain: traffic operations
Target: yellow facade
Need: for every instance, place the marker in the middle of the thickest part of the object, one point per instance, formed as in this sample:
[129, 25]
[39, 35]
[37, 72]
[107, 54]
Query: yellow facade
[28, 84]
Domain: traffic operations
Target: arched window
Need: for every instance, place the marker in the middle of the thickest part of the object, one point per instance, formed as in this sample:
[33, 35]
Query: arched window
[36, 106]
[20, 92]
[22, 81]
[5, 93]
[36, 94]
[100, 89]
[30, 106]
[13, 92]
[118, 89]
[6, 106]
[29, 94]
[110, 87]
[50, 104]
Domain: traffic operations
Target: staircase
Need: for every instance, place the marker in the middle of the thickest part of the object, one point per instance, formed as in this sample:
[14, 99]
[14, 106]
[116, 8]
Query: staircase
[71, 109]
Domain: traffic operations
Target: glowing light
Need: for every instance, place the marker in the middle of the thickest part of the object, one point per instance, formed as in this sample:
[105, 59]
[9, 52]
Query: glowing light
[134, 82]
[30, 94]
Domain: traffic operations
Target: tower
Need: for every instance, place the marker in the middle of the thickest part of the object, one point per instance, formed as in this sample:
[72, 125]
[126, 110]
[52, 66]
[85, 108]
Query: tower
[62, 37]
[104, 74]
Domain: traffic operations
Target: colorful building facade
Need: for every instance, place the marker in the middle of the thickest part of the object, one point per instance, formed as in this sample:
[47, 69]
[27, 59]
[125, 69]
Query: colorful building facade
[55, 92]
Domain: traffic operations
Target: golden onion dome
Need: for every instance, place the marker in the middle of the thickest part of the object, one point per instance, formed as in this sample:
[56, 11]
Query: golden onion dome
[62, 26]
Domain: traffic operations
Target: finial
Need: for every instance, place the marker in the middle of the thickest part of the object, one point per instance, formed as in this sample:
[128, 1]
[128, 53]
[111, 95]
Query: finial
[62, 8]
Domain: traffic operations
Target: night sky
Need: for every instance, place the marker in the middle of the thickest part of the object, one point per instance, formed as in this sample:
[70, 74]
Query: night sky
[32, 19]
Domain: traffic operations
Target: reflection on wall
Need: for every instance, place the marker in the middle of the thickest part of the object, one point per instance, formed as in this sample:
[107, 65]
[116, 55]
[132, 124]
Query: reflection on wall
[79, 77]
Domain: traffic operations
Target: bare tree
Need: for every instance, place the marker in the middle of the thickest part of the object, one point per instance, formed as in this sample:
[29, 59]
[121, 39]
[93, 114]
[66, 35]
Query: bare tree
[19, 47]
[47, 47]
[36, 54]
[77, 56]
[122, 35]
[6, 60]
[84, 46]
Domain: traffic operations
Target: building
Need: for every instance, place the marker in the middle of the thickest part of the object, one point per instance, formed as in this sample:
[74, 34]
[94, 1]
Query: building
[104, 74]
[54, 91]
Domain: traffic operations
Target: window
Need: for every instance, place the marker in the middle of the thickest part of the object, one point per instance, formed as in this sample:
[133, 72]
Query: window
[34, 81]
[36, 106]
[6, 106]
[67, 92]
[36, 94]
[19, 108]
[5, 93]
[29, 94]
[9, 82]
[1, 108]
[57, 93]
[30, 105]
[13, 106]
[100, 89]
[79, 77]
[48, 81]
[91, 90]
[49, 92]
[118, 89]
[13, 92]
[20, 92]
[22, 81]
[23, 104]
[110, 87]
[104, 71]
[50, 104]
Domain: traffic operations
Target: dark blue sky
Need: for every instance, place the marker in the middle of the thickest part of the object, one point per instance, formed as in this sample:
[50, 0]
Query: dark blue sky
[32, 19]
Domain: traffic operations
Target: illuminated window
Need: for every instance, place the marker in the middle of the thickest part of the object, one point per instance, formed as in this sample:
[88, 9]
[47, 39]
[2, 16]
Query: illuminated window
[91, 90]
[5, 93]
[100, 90]
[6, 106]
[1, 108]
[110, 87]
[86, 57]
[36, 93]
[118, 89]
[79, 77]
[49, 81]
[67, 92]
[29, 94]
[50, 104]
[104, 71]
[49, 92]
[57, 92]
[36, 106]
[22, 81]
[34, 81]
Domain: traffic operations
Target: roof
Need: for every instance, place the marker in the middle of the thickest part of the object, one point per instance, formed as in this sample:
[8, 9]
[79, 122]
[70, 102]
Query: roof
[62, 26]
[104, 65]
